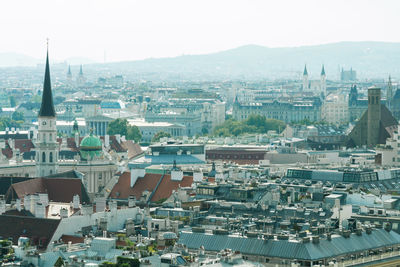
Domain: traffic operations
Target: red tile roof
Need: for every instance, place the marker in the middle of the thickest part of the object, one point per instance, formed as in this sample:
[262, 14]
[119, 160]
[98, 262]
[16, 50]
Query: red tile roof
[134, 149]
[58, 189]
[122, 189]
[166, 187]
[74, 239]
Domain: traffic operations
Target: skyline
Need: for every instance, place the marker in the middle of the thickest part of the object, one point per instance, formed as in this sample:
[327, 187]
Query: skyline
[137, 30]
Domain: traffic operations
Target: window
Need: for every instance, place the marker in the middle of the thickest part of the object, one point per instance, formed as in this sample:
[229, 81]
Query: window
[43, 157]
[51, 157]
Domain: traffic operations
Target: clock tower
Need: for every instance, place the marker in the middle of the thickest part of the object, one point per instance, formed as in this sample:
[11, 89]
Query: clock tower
[46, 143]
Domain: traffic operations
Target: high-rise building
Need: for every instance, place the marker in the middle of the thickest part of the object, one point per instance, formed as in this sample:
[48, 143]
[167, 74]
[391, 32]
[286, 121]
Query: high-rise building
[46, 144]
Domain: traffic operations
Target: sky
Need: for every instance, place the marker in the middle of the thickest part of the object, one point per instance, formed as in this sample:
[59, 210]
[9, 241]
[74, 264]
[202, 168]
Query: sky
[118, 30]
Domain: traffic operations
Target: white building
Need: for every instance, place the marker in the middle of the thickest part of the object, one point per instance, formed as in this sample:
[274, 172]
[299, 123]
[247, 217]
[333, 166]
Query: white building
[335, 109]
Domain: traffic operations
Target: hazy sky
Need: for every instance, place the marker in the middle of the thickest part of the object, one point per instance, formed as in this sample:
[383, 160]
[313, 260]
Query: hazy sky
[148, 28]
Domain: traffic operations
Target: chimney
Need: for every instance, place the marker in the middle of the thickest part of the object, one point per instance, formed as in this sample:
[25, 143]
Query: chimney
[18, 204]
[359, 231]
[346, 233]
[118, 138]
[77, 139]
[113, 205]
[2, 205]
[388, 226]
[63, 213]
[315, 239]
[131, 201]
[34, 199]
[106, 140]
[75, 201]
[329, 236]
[87, 209]
[374, 115]
[44, 199]
[368, 230]
[27, 202]
[40, 210]
[100, 204]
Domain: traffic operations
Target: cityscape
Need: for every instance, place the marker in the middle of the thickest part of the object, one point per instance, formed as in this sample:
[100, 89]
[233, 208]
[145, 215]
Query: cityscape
[193, 152]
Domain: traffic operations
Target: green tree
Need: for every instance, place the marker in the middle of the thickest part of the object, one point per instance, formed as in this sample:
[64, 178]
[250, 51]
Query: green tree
[129, 262]
[161, 134]
[13, 102]
[118, 126]
[122, 127]
[18, 116]
[254, 124]
[133, 133]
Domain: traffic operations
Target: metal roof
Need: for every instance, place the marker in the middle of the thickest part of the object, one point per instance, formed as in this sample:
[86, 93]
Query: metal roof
[290, 249]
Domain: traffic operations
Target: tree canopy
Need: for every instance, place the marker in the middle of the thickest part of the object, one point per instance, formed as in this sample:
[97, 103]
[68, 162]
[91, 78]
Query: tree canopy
[156, 138]
[122, 127]
[253, 124]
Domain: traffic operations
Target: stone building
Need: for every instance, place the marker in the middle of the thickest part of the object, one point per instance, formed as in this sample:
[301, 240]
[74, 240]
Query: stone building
[376, 124]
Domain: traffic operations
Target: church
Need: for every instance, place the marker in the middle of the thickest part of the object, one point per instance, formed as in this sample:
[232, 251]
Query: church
[95, 160]
[376, 124]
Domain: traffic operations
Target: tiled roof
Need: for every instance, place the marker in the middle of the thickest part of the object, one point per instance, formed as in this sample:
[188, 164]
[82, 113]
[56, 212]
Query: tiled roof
[122, 189]
[133, 149]
[166, 187]
[73, 239]
[58, 189]
[39, 231]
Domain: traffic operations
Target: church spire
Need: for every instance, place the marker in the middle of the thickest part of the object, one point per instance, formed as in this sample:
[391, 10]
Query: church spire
[323, 70]
[305, 70]
[80, 71]
[47, 107]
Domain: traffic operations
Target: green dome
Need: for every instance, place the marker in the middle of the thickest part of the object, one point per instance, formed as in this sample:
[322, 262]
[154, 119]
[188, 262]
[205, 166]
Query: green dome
[90, 147]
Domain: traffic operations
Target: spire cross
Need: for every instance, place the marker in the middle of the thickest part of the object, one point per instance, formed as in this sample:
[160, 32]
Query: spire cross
[47, 43]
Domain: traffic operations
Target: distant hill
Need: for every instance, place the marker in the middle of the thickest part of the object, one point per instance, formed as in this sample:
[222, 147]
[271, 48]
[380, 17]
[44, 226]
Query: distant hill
[17, 60]
[369, 59]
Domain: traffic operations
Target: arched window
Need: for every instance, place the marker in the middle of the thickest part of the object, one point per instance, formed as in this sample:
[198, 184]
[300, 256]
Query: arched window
[51, 157]
[43, 157]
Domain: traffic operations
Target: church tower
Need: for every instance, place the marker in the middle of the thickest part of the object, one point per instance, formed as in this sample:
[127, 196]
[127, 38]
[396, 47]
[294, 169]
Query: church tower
[389, 94]
[46, 143]
[69, 73]
[305, 78]
[323, 81]
[81, 78]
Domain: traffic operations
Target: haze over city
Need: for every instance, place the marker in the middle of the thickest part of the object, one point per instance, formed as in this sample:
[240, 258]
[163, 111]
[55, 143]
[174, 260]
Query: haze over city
[130, 30]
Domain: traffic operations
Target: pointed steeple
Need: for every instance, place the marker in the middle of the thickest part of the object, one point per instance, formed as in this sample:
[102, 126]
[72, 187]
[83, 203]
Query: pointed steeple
[80, 71]
[69, 70]
[47, 107]
[305, 70]
[323, 70]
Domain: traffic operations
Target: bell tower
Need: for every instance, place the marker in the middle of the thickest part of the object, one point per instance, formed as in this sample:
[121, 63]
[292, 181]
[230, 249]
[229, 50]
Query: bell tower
[46, 143]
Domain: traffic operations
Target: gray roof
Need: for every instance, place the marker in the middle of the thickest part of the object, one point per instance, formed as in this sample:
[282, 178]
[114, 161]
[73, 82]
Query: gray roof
[292, 249]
